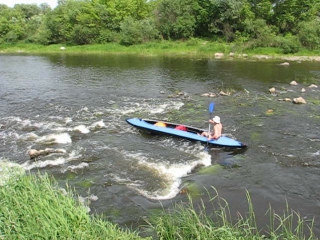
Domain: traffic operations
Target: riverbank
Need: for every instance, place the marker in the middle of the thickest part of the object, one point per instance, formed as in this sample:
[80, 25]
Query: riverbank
[35, 207]
[191, 48]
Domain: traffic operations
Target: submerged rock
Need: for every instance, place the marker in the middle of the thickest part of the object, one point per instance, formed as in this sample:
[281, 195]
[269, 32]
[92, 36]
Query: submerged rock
[210, 94]
[285, 99]
[222, 93]
[33, 153]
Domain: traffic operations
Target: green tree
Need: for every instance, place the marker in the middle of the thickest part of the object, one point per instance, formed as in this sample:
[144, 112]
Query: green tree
[66, 21]
[229, 17]
[27, 10]
[288, 13]
[12, 25]
[262, 9]
[175, 18]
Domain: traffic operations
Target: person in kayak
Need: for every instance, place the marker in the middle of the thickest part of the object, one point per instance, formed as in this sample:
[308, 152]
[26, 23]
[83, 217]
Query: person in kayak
[217, 129]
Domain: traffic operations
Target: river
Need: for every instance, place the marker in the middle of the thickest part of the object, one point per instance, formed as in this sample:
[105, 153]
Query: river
[79, 103]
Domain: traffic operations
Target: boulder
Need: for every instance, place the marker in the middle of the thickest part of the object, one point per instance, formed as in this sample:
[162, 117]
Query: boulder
[293, 83]
[218, 55]
[299, 100]
[272, 90]
[284, 64]
[313, 86]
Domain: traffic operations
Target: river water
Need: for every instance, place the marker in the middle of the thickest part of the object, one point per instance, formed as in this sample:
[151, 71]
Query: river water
[79, 103]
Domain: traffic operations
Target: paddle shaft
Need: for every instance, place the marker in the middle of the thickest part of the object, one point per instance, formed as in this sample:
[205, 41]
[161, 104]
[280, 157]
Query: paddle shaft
[211, 109]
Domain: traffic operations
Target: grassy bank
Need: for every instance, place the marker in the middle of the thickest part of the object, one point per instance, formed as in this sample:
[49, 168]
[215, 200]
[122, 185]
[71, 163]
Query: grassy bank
[34, 207]
[190, 48]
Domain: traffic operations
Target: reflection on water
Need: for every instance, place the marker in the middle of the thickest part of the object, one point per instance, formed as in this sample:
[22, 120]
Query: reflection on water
[80, 103]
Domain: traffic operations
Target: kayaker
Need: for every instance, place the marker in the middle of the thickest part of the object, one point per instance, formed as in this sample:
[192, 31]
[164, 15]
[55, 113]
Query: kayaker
[217, 129]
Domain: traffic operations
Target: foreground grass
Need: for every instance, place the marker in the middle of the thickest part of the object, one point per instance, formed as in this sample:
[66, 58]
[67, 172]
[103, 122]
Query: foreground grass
[187, 221]
[192, 47]
[33, 207]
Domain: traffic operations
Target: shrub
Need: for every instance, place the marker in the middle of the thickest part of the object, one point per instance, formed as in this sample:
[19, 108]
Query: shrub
[106, 36]
[289, 44]
[309, 34]
[136, 32]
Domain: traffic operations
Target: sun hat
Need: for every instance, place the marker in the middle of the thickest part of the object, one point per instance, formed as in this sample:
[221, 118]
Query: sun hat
[216, 119]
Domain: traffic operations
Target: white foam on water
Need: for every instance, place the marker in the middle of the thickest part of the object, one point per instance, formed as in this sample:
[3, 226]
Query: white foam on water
[163, 107]
[29, 137]
[54, 162]
[316, 153]
[81, 128]
[172, 173]
[41, 164]
[68, 120]
[62, 138]
[75, 167]
[148, 107]
[97, 125]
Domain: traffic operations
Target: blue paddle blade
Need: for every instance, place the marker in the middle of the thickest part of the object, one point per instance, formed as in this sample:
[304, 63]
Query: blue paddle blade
[211, 107]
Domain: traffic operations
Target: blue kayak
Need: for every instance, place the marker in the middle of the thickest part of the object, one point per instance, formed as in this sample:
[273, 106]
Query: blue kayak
[183, 131]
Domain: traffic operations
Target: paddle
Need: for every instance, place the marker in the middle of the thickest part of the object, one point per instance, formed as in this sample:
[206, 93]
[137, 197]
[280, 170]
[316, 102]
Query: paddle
[211, 109]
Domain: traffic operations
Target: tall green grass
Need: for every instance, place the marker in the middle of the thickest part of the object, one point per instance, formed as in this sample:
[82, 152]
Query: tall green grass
[188, 221]
[34, 207]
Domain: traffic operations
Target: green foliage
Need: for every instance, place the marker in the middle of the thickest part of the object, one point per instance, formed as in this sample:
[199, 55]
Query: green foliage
[259, 34]
[106, 36]
[136, 32]
[289, 44]
[175, 19]
[252, 23]
[309, 34]
[229, 17]
[290, 12]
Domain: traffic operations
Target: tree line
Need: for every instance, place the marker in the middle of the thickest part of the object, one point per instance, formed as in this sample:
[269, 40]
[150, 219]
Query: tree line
[287, 24]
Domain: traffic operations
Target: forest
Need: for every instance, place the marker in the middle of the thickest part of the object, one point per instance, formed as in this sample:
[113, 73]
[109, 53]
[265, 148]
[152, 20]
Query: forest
[286, 24]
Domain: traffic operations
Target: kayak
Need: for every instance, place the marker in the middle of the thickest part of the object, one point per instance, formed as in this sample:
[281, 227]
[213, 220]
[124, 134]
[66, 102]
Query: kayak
[183, 131]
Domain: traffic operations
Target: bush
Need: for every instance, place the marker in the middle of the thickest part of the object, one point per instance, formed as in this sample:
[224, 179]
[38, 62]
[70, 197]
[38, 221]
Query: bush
[261, 34]
[106, 36]
[83, 35]
[289, 44]
[309, 34]
[137, 32]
